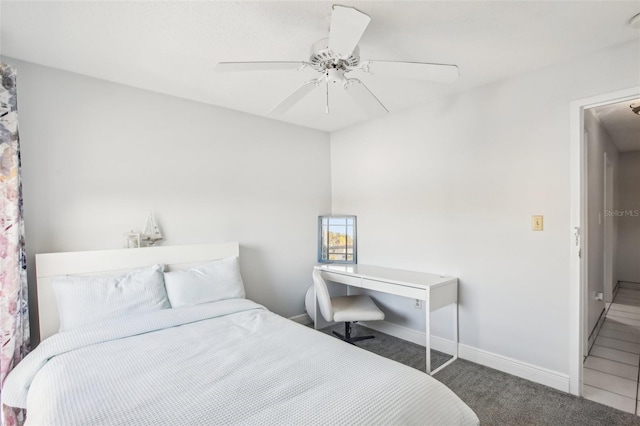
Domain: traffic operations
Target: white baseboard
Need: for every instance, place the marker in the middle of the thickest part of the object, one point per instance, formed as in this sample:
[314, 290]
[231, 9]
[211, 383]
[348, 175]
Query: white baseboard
[303, 319]
[411, 335]
[522, 369]
[505, 364]
[596, 330]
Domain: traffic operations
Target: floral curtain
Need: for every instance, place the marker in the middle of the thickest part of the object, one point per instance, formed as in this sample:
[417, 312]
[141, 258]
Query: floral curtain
[14, 310]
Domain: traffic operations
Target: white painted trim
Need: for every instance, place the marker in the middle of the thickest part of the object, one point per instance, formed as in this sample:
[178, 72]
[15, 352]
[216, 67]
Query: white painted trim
[505, 364]
[577, 273]
[404, 333]
[411, 335]
[303, 319]
[521, 369]
[443, 345]
[594, 333]
[584, 240]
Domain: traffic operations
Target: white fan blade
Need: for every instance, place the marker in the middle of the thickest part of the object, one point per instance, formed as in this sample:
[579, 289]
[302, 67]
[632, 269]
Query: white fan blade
[347, 26]
[365, 98]
[415, 70]
[258, 66]
[294, 98]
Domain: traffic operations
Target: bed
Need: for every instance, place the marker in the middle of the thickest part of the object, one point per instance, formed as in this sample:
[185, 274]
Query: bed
[228, 361]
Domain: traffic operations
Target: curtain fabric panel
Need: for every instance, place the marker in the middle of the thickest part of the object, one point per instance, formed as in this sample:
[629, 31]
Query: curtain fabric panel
[14, 310]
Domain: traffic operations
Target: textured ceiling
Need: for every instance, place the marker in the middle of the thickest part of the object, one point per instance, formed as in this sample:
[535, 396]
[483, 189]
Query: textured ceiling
[622, 124]
[173, 47]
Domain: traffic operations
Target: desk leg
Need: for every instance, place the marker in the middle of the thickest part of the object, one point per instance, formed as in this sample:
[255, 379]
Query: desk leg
[427, 327]
[455, 340]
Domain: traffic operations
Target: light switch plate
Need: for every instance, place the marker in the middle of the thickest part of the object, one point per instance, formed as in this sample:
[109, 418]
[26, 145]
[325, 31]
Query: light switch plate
[537, 222]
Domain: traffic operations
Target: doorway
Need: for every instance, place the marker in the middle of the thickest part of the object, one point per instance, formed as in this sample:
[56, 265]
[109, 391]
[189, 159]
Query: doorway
[579, 260]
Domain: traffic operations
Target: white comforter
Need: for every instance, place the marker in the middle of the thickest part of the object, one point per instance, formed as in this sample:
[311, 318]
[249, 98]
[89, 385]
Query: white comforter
[228, 362]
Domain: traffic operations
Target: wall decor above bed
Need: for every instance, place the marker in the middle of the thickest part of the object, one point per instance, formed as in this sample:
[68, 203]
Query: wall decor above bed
[131, 239]
[148, 237]
[151, 234]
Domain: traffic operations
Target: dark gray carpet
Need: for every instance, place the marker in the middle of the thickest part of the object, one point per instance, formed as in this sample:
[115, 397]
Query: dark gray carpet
[393, 348]
[496, 397]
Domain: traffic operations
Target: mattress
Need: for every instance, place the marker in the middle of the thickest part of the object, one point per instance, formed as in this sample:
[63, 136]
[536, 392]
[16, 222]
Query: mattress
[227, 362]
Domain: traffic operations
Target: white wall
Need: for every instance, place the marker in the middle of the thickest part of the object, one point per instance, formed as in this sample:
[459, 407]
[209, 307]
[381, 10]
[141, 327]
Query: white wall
[450, 187]
[629, 223]
[97, 156]
[598, 142]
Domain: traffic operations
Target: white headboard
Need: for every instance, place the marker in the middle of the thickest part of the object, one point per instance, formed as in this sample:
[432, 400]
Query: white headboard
[106, 262]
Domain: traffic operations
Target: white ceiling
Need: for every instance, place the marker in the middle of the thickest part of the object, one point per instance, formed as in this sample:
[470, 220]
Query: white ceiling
[173, 47]
[621, 123]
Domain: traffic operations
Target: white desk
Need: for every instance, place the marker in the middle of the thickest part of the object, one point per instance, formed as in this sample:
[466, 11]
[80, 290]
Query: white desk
[435, 290]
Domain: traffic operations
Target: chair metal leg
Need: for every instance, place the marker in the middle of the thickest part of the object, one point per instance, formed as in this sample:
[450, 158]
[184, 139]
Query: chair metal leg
[347, 335]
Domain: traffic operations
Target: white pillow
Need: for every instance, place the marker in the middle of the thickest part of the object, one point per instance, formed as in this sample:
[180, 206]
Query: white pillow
[218, 280]
[88, 299]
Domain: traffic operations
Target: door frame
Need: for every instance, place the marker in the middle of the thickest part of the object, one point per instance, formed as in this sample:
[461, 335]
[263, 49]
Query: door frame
[577, 220]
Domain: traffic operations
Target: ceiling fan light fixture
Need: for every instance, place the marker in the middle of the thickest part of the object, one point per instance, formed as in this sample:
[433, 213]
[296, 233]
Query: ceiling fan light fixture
[336, 75]
[635, 21]
[335, 57]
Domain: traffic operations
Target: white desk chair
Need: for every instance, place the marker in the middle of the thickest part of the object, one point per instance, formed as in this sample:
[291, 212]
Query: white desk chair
[345, 309]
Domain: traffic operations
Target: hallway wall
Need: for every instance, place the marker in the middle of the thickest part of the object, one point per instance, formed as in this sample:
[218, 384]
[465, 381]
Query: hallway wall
[598, 143]
[629, 220]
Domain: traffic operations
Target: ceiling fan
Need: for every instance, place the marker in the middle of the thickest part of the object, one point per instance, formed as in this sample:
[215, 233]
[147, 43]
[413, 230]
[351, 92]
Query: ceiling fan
[339, 55]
